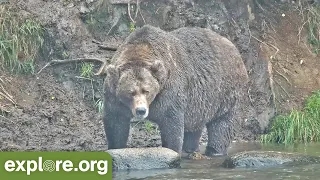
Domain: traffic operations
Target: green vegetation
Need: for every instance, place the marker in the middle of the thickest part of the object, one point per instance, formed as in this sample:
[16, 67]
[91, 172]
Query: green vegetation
[313, 21]
[20, 41]
[132, 27]
[150, 127]
[99, 105]
[298, 126]
[87, 70]
[65, 55]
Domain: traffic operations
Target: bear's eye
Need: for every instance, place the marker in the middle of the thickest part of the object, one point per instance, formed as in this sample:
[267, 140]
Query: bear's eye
[144, 91]
[132, 92]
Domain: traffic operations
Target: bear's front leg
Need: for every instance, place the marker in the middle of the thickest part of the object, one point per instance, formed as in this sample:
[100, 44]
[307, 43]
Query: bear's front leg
[172, 131]
[117, 128]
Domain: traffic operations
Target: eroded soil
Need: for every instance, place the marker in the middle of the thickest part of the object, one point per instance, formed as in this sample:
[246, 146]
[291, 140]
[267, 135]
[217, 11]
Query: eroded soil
[55, 109]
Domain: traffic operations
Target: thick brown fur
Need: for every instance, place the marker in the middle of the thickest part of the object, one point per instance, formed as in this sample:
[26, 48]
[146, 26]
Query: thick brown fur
[190, 78]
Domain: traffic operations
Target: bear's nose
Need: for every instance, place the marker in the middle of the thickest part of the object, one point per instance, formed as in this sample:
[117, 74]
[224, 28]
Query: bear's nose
[141, 111]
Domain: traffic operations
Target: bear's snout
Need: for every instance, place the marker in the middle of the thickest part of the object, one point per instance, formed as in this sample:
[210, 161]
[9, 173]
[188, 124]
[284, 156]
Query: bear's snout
[140, 106]
[141, 111]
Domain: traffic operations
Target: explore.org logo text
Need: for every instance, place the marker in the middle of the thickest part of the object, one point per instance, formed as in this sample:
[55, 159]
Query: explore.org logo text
[59, 164]
[100, 166]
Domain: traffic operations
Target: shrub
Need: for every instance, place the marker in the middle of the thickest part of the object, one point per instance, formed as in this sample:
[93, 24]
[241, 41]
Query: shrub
[20, 40]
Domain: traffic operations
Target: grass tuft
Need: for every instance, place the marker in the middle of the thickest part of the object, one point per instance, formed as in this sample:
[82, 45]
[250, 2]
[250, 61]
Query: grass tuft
[20, 41]
[99, 105]
[150, 127]
[298, 126]
[87, 70]
[132, 27]
[313, 21]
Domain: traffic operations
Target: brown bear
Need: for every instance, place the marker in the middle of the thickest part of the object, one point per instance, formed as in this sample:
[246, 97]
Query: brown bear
[183, 80]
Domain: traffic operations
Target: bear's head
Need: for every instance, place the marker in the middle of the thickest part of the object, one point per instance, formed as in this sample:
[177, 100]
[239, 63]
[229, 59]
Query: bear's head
[136, 84]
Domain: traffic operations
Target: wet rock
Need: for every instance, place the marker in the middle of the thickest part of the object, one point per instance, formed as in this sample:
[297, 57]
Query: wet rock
[4, 1]
[258, 159]
[89, 1]
[144, 158]
[124, 1]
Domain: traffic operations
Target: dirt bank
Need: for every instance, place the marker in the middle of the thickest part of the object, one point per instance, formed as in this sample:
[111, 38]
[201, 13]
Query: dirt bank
[55, 109]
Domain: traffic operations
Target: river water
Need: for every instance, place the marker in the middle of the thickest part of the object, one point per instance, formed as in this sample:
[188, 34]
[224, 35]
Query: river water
[210, 169]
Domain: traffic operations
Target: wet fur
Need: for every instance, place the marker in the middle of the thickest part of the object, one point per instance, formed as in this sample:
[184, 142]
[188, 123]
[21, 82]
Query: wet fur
[202, 82]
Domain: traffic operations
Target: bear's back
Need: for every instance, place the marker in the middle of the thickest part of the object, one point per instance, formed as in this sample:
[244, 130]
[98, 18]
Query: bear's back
[215, 72]
[208, 49]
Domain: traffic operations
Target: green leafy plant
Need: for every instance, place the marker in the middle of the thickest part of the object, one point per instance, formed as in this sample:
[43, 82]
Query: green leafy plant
[20, 41]
[87, 70]
[298, 126]
[149, 126]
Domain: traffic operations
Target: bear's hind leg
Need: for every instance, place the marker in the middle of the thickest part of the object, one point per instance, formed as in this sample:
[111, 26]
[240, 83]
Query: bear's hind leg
[220, 134]
[191, 141]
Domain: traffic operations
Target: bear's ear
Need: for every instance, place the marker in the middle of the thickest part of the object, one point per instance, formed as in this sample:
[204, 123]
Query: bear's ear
[112, 77]
[159, 70]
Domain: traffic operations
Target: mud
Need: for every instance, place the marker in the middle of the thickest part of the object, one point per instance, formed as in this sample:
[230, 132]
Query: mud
[55, 115]
[50, 117]
[55, 109]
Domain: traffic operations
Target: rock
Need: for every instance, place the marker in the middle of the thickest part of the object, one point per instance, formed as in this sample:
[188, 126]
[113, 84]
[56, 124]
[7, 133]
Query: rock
[84, 9]
[125, 1]
[4, 1]
[144, 158]
[89, 1]
[257, 159]
[71, 5]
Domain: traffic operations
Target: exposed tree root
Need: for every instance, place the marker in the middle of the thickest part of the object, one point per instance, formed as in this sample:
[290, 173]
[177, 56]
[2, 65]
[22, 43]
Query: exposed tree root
[60, 61]
[105, 47]
[103, 61]
[271, 45]
[259, 5]
[5, 94]
[79, 77]
[284, 77]
[137, 10]
[283, 89]
[109, 48]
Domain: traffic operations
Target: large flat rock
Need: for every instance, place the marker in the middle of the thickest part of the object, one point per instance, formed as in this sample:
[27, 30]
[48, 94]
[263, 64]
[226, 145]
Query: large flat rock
[125, 1]
[257, 159]
[144, 158]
